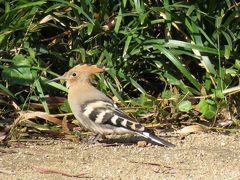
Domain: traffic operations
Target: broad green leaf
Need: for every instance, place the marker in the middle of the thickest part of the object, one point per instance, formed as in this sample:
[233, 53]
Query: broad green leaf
[184, 106]
[65, 107]
[20, 73]
[227, 52]
[167, 94]
[219, 94]
[90, 28]
[237, 64]
[143, 101]
[208, 108]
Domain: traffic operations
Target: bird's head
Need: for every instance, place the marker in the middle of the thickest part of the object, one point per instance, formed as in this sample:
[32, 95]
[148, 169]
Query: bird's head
[80, 73]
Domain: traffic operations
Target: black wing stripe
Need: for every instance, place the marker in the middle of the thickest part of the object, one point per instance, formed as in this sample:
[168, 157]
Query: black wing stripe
[122, 115]
[126, 123]
[102, 112]
[106, 117]
[95, 113]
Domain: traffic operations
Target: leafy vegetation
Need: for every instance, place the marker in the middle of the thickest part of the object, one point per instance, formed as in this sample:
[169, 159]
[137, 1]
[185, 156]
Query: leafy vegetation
[167, 57]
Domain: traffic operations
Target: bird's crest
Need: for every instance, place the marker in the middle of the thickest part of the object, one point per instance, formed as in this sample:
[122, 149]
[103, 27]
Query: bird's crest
[89, 68]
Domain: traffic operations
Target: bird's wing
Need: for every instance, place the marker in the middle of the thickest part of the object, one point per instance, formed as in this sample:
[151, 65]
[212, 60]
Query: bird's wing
[105, 112]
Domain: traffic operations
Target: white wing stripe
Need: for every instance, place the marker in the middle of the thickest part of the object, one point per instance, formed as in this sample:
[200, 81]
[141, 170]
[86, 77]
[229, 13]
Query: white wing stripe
[108, 114]
[98, 104]
[100, 116]
[114, 119]
[124, 123]
[88, 111]
[91, 106]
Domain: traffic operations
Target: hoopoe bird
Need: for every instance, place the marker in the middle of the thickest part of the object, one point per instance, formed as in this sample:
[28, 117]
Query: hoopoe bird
[95, 111]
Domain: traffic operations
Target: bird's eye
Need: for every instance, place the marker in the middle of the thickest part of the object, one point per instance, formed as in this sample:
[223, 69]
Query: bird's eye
[74, 74]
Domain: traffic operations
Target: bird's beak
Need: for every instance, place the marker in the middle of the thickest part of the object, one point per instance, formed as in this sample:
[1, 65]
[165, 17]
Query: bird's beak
[57, 79]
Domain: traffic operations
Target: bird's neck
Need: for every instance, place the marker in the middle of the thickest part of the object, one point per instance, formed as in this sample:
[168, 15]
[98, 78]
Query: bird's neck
[80, 92]
[83, 86]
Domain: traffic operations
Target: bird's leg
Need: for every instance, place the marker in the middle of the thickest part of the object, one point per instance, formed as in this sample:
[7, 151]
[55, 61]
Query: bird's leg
[95, 139]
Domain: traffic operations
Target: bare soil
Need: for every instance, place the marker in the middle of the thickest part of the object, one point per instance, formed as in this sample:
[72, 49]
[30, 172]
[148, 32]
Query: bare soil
[197, 156]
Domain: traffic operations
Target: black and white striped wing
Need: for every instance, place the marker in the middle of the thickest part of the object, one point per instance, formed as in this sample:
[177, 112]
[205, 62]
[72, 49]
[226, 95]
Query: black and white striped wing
[105, 112]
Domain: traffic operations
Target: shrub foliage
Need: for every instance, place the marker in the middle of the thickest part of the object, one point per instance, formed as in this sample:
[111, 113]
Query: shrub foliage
[166, 56]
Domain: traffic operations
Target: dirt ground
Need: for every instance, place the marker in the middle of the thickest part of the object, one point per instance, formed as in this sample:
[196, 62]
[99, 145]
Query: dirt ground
[197, 156]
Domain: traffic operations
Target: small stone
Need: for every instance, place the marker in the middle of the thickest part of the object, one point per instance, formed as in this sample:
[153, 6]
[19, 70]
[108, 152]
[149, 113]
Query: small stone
[223, 143]
[142, 144]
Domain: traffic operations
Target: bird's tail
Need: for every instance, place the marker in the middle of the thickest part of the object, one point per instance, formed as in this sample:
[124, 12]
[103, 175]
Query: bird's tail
[156, 139]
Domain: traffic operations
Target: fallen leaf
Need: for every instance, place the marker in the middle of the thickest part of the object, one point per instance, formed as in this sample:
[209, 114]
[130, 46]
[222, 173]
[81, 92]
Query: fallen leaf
[65, 126]
[191, 129]
[3, 136]
[27, 115]
[53, 102]
[4, 133]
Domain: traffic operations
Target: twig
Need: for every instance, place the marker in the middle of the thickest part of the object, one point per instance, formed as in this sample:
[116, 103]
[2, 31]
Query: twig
[3, 171]
[152, 164]
[52, 171]
[229, 91]
[66, 33]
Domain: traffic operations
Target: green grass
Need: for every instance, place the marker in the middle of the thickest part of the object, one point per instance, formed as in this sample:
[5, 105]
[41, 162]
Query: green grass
[165, 56]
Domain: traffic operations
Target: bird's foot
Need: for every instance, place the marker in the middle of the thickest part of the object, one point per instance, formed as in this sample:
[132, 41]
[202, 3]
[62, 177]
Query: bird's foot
[95, 139]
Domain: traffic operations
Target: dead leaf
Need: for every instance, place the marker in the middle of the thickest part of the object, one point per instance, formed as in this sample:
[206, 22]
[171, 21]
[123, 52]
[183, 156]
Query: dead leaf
[2, 93]
[151, 125]
[3, 136]
[191, 129]
[28, 115]
[65, 125]
[53, 102]
[4, 133]
[46, 19]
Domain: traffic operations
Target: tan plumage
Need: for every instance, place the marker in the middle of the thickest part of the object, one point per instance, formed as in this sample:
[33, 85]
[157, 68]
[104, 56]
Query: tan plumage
[95, 110]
